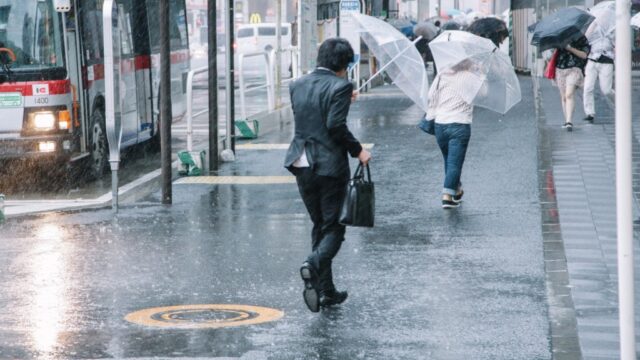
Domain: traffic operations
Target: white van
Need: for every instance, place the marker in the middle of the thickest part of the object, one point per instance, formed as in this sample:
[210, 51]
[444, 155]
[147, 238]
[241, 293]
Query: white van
[261, 37]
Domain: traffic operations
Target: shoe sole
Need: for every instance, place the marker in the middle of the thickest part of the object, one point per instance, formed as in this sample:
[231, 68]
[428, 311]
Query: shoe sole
[331, 303]
[310, 295]
[451, 206]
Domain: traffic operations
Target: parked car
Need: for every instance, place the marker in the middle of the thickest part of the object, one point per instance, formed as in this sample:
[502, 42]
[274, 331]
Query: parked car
[261, 37]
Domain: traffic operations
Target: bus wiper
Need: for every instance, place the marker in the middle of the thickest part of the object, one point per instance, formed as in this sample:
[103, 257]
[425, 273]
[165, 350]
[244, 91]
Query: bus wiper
[7, 74]
[7, 57]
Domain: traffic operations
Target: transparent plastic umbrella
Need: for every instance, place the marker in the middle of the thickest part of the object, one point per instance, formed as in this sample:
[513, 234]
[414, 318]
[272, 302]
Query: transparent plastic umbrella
[490, 80]
[635, 20]
[604, 25]
[398, 56]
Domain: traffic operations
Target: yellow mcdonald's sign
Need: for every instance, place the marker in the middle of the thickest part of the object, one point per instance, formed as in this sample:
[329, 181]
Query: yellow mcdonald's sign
[255, 18]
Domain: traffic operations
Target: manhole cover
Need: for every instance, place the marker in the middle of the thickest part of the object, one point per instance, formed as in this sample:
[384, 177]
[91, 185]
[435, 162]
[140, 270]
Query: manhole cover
[204, 316]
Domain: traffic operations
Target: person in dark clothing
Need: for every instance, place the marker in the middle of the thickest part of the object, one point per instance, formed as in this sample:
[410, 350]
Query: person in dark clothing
[570, 65]
[318, 157]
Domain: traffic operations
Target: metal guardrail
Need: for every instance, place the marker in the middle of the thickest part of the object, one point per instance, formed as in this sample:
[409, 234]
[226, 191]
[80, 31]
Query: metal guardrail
[269, 84]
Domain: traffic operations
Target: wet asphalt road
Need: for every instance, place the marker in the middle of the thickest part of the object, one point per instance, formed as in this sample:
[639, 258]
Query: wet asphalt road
[425, 283]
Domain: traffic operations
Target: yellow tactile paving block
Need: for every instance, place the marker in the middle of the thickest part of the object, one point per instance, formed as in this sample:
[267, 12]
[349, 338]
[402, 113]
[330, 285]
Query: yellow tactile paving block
[236, 180]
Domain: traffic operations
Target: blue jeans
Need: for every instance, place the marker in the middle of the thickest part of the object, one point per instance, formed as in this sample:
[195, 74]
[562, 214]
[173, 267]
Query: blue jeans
[453, 140]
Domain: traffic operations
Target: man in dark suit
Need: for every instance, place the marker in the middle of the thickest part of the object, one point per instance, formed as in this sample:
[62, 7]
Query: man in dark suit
[318, 157]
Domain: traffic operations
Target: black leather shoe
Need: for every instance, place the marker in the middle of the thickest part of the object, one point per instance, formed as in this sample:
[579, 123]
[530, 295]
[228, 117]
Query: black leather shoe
[310, 293]
[334, 298]
[588, 118]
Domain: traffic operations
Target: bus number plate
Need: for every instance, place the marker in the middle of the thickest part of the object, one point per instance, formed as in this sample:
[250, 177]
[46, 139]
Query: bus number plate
[10, 100]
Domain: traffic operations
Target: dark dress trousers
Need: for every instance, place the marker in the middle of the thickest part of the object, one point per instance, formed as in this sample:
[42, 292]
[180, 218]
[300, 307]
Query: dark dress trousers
[320, 102]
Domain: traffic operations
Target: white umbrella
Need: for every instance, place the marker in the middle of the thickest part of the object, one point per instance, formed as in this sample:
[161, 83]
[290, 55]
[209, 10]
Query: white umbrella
[604, 25]
[490, 80]
[398, 56]
[635, 20]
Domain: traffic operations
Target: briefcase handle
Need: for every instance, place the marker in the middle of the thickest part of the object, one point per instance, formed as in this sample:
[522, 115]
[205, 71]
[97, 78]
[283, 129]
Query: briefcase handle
[359, 174]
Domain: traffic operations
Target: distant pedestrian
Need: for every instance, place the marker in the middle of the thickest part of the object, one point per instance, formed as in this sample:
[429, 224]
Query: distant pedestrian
[599, 67]
[570, 65]
[318, 157]
[425, 52]
[453, 116]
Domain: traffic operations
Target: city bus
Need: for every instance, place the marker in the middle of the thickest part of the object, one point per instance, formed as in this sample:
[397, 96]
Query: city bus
[52, 79]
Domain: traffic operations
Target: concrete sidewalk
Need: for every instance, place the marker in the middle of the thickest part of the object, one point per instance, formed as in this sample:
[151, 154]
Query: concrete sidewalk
[580, 172]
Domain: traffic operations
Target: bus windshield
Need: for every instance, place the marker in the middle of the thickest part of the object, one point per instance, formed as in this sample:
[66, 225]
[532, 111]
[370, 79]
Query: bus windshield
[32, 31]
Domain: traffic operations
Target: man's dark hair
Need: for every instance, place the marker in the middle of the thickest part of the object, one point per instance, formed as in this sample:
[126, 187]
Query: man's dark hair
[335, 54]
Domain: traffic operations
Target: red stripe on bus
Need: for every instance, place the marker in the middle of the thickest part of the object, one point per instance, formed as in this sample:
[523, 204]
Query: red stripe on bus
[143, 62]
[56, 87]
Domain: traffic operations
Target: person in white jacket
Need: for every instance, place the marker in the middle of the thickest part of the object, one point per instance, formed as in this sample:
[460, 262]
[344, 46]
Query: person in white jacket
[599, 67]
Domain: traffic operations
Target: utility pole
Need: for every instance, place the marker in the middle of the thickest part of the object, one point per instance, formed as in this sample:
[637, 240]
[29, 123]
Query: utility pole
[165, 103]
[230, 83]
[213, 84]
[624, 183]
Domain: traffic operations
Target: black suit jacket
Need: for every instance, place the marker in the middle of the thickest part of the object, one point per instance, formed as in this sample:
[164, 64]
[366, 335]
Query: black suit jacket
[320, 102]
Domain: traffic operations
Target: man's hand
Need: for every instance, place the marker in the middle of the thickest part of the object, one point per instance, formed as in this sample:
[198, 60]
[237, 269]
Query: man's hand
[354, 95]
[364, 157]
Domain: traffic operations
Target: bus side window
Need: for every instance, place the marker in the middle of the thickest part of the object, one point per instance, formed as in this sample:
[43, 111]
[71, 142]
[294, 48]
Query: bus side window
[178, 25]
[92, 30]
[126, 40]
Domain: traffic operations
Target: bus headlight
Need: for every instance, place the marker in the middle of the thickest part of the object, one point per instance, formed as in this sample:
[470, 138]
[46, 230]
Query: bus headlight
[44, 121]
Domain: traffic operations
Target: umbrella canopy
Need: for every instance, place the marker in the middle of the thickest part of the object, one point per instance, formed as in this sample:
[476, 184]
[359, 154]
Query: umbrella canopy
[403, 25]
[560, 28]
[604, 25]
[397, 55]
[427, 30]
[490, 81]
[635, 20]
[490, 28]
[452, 25]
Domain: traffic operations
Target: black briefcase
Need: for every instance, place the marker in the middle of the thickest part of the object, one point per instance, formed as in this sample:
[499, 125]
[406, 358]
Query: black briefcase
[360, 203]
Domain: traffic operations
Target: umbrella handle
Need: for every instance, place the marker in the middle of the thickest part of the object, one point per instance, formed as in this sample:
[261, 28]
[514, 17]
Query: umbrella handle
[413, 43]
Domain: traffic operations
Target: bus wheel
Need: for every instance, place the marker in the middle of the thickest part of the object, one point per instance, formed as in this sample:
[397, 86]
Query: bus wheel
[99, 147]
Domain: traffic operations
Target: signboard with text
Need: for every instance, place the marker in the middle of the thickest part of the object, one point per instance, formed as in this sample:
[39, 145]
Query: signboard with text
[348, 26]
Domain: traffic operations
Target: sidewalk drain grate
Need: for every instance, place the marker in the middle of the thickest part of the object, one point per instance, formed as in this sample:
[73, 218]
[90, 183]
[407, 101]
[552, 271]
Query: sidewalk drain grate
[203, 316]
